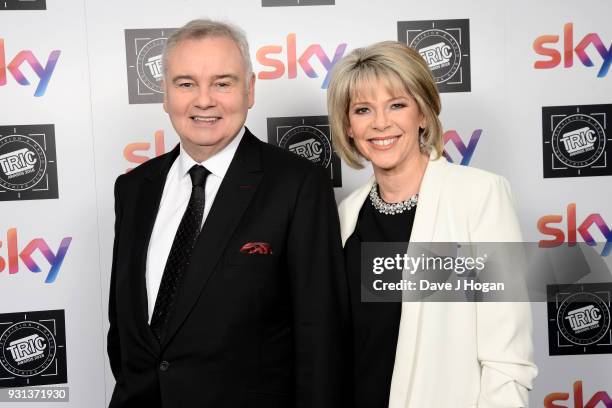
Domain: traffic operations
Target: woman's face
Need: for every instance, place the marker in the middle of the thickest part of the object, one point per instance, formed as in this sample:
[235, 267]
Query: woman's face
[384, 124]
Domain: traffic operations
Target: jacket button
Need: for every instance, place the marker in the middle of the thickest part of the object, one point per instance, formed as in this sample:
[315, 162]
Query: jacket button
[164, 365]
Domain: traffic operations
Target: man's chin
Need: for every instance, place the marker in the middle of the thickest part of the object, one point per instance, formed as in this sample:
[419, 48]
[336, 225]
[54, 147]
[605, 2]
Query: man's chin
[201, 148]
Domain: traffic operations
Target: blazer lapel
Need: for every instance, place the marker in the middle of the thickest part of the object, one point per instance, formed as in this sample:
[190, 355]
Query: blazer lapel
[147, 203]
[426, 214]
[423, 231]
[429, 197]
[235, 193]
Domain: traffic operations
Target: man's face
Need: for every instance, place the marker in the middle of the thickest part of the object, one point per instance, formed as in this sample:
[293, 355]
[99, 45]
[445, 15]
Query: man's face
[207, 94]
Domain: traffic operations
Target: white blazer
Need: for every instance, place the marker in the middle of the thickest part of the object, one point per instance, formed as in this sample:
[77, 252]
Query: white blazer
[459, 354]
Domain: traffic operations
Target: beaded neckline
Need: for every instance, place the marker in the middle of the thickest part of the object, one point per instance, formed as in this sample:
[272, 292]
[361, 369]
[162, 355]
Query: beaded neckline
[391, 208]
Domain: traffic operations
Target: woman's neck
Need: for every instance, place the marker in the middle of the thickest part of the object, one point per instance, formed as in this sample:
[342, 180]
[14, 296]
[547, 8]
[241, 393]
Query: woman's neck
[401, 182]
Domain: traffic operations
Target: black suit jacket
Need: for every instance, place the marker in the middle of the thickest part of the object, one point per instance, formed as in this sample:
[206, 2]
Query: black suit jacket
[246, 330]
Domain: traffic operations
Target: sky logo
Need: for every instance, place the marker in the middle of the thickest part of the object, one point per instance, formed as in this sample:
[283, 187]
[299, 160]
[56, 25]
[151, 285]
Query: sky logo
[26, 56]
[552, 399]
[554, 55]
[545, 226]
[266, 57]
[130, 152]
[466, 151]
[14, 255]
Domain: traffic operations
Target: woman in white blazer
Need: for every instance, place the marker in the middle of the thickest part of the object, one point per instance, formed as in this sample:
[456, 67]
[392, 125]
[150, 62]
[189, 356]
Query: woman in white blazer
[383, 107]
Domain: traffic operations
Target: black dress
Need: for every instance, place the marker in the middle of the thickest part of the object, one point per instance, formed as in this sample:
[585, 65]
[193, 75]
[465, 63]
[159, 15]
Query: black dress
[375, 325]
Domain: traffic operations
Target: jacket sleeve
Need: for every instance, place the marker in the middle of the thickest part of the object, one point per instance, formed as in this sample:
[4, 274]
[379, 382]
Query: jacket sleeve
[504, 329]
[113, 347]
[319, 296]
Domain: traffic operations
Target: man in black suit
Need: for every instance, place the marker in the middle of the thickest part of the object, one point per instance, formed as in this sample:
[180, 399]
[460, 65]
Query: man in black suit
[227, 285]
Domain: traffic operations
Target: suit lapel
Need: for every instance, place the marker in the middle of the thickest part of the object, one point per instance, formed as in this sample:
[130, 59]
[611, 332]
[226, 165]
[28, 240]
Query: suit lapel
[349, 215]
[235, 193]
[147, 204]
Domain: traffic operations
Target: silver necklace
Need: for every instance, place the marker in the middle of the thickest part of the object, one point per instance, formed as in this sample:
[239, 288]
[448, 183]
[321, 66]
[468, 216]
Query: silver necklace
[394, 208]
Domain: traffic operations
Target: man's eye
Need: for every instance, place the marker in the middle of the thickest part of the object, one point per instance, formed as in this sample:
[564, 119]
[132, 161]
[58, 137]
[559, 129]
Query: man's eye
[185, 84]
[222, 84]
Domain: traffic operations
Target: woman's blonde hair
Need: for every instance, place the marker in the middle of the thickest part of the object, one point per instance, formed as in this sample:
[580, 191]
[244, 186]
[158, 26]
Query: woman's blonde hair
[399, 66]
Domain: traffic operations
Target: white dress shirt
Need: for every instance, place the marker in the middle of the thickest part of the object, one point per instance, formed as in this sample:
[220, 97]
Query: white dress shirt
[174, 200]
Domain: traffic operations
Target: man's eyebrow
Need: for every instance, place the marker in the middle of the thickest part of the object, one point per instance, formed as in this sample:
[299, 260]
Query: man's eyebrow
[233, 77]
[180, 77]
[226, 76]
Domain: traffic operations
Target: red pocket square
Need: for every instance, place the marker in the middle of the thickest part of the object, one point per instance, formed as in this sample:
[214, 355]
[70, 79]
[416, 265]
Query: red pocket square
[256, 248]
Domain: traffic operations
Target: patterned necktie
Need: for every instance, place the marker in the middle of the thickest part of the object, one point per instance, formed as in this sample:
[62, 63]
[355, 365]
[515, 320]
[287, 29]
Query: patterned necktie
[180, 252]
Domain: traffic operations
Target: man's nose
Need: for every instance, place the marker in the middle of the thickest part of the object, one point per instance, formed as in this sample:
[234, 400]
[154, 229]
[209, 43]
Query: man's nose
[204, 98]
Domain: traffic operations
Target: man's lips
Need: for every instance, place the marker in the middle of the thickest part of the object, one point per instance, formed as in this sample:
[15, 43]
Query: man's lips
[205, 119]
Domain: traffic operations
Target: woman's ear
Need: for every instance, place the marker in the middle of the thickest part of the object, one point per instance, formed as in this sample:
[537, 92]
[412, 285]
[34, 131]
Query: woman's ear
[423, 122]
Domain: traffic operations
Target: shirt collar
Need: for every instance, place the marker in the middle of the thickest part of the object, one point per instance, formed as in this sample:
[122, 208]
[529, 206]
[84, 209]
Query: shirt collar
[217, 164]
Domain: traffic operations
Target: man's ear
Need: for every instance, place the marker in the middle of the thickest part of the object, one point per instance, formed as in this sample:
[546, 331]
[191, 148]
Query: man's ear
[163, 86]
[251, 90]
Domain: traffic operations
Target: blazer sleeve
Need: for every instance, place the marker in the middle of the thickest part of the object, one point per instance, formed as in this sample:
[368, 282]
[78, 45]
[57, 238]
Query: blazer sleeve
[319, 293]
[504, 329]
[113, 347]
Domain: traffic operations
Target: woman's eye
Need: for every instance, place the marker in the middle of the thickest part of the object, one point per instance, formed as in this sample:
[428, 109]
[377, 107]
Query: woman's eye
[361, 111]
[398, 105]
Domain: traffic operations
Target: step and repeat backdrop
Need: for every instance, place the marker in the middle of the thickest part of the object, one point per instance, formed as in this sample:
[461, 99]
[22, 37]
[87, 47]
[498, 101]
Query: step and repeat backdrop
[526, 91]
